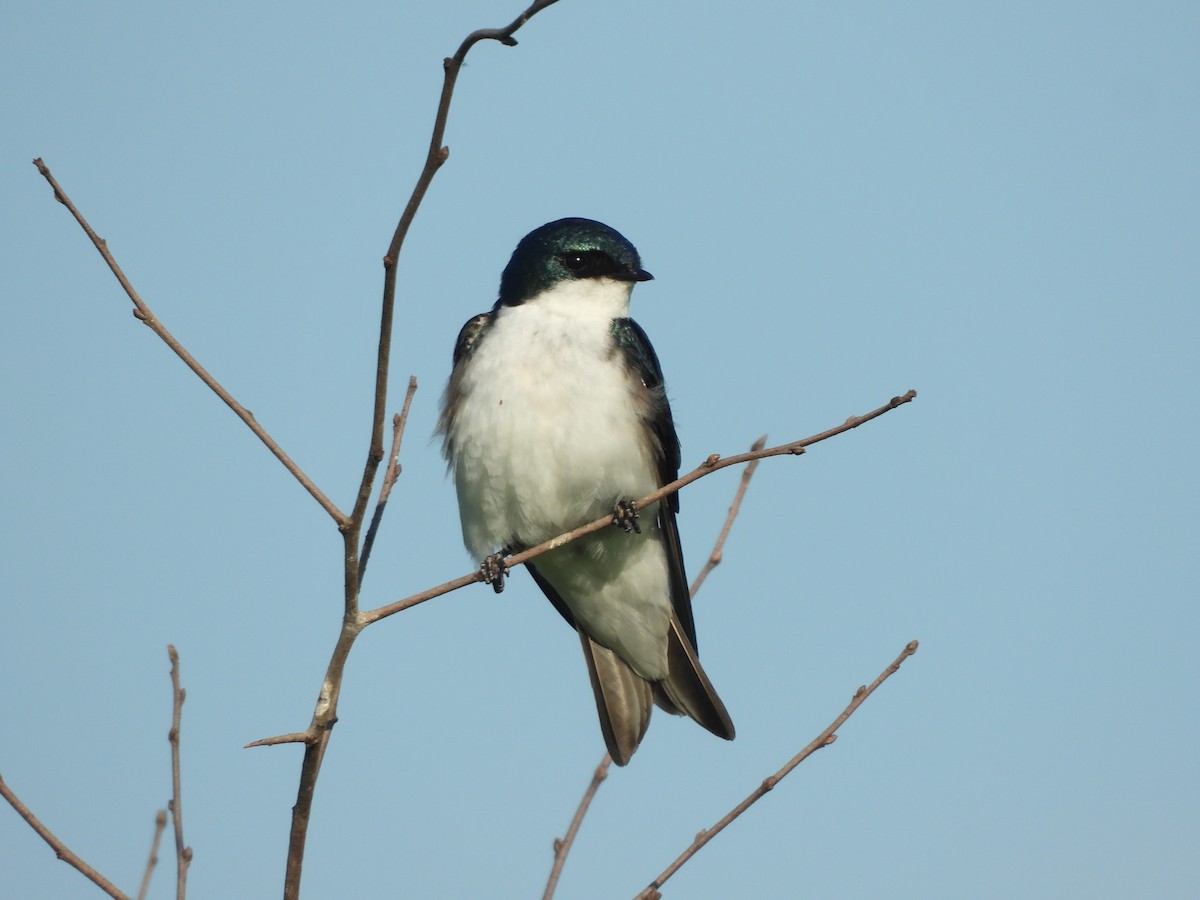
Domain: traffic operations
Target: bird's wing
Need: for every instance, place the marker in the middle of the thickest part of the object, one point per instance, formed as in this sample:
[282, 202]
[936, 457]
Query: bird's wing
[468, 339]
[643, 362]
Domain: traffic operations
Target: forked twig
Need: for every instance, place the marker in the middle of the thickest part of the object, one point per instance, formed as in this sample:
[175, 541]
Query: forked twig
[325, 712]
[824, 739]
[61, 850]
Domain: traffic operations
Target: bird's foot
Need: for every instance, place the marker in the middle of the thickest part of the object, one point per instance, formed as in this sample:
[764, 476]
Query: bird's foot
[494, 569]
[626, 516]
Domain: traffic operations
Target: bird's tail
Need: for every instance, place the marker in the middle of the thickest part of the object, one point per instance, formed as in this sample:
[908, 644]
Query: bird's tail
[623, 699]
[687, 690]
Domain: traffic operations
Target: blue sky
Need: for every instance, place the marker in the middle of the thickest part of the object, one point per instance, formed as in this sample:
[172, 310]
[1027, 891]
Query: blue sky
[995, 204]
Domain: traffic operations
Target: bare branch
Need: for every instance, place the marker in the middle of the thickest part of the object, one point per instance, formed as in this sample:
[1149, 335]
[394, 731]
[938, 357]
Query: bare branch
[563, 847]
[183, 854]
[143, 313]
[434, 158]
[160, 824]
[325, 714]
[824, 739]
[710, 465]
[390, 475]
[296, 737]
[60, 849]
[714, 558]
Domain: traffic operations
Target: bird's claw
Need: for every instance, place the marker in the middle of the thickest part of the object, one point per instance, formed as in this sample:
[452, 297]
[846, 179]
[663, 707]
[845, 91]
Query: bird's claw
[626, 516]
[494, 570]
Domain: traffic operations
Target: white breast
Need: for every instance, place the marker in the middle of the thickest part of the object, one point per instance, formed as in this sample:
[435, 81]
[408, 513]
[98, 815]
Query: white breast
[548, 434]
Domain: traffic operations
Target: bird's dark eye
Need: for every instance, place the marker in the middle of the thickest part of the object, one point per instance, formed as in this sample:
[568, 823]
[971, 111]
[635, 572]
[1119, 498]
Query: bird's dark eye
[589, 263]
[576, 262]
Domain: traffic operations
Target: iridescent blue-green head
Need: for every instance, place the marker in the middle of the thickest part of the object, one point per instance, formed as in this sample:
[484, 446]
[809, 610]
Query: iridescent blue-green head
[568, 249]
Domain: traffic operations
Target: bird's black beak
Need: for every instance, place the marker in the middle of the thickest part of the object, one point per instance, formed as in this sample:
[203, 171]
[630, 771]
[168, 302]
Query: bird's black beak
[630, 275]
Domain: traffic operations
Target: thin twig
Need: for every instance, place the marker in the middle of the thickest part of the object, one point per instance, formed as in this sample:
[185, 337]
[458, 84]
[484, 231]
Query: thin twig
[60, 849]
[183, 853]
[325, 713]
[563, 847]
[710, 465]
[295, 737]
[143, 313]
[714, 558]
[824, 739]
[390, 475]
[160, 824]
[435, 157]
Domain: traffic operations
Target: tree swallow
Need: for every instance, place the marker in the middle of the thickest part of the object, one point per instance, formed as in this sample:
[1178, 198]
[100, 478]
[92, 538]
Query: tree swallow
[556, 414]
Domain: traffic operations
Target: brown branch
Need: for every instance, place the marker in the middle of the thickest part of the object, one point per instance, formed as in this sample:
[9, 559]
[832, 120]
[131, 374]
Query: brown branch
[60, 849]
[434, 158]
[824, 739]
[295, 737]
[714, 558]
[563, 847]
[325, 713]
[183, 854]
[390, 475]
[160, 824]
[710, 465]
[143, 313]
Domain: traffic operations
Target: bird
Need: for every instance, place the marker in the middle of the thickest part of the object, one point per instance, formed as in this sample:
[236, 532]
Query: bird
[556, 414]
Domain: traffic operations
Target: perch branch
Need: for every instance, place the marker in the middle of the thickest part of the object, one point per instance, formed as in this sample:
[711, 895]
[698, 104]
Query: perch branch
[710, 465]
[824, 739]
[143, 313]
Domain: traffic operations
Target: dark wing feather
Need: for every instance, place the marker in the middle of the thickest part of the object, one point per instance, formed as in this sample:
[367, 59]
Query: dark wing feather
[633, 343]
[631, 340]
[551, 594]
[468, 336]
[468, 339]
